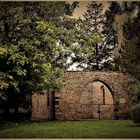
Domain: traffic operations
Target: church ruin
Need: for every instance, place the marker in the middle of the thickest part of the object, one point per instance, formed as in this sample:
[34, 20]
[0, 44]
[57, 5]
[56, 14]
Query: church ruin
[85, 95]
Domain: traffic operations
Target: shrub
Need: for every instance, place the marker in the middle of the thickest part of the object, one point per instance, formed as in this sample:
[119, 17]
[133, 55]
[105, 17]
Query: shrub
[135, 113]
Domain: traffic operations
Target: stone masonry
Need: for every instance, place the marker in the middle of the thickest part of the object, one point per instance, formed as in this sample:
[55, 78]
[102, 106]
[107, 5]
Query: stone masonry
[79, 98]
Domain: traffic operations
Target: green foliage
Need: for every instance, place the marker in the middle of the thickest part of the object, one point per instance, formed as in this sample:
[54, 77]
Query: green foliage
[33, 43]
[82, 49]
[3, 52]
[88, 31]
[130, 50]
[129, 59]
[136, 114]
[110, 35]
[93, 24]
[99, 25]
[134, 90]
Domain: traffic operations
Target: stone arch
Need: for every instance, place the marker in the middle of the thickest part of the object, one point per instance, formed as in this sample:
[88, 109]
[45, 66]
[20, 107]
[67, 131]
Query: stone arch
[98, 106]
[106, 84]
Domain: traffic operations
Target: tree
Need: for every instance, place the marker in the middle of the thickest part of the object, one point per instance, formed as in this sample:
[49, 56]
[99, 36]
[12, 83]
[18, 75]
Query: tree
[36, 42]
[31, 43]
[129, 57]
[93, 25]
[110, 35]
[93, 20]
[129, 52]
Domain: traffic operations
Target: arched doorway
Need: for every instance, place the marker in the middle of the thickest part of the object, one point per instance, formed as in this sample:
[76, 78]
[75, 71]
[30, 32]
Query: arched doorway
[100, 101]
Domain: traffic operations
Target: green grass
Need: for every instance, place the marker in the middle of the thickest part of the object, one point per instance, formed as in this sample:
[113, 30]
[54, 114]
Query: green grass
[72, 129]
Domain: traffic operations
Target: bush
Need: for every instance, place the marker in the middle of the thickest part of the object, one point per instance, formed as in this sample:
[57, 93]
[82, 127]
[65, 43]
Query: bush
[136, 113]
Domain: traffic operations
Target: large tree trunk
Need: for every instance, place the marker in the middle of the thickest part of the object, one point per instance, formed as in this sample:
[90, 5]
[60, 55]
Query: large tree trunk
[16, 110]
[6, 111]
[97, 53]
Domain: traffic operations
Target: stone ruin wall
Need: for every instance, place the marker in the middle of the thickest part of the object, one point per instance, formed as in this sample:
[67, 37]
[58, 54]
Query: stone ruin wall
[74, 100]
[40, 109]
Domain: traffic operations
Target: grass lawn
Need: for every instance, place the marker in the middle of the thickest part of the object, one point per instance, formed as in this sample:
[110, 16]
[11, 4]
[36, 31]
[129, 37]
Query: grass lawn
[72, 129]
